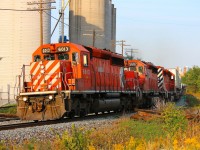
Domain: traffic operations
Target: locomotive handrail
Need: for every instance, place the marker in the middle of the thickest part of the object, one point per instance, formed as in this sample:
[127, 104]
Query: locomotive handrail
[94, 77]
[66, 79]
[100, 81]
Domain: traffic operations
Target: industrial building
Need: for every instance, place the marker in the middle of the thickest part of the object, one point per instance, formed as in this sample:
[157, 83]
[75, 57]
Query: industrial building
[19, 37]
[93, 23]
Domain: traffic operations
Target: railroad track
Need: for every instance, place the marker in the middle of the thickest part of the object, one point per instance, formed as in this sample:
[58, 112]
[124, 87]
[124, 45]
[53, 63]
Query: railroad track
[2, 119]
[51, 122]
[7, 117]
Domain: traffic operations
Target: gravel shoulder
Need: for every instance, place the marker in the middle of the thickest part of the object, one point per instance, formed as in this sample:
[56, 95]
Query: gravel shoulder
[41, 133]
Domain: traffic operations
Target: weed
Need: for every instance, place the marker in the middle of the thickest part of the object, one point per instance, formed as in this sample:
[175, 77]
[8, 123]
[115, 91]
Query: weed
[2, 146]
[174, 119]
[77, 140]
[192, 101]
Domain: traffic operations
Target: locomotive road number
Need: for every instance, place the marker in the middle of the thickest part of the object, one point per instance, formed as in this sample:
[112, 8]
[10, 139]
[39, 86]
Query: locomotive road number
[86, 72]
[63, 49]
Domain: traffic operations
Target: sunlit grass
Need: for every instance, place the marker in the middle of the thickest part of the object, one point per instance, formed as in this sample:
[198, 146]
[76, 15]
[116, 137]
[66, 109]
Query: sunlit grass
[10, 110]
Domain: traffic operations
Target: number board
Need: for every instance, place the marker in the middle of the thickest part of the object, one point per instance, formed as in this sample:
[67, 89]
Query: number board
[132, 64]
[63, 49]
[46, 50]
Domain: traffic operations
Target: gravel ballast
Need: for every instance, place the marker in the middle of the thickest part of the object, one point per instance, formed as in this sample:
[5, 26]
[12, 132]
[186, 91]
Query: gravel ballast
[41, 133]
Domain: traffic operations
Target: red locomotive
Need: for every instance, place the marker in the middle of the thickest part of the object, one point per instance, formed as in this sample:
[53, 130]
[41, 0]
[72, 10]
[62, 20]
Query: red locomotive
[67, 79]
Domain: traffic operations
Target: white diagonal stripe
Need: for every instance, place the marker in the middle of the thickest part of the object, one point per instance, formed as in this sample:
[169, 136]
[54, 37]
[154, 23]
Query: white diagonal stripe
[48, 64]
[53, 70]
[36, 69]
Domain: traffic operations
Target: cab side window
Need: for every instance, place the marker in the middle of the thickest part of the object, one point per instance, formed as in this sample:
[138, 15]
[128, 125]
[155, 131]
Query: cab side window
[85, 60]
[140, 69]
[75, 57]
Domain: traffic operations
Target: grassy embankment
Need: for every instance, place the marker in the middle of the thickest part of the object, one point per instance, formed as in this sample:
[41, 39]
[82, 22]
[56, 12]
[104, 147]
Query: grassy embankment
[169, 131]
[9, 109]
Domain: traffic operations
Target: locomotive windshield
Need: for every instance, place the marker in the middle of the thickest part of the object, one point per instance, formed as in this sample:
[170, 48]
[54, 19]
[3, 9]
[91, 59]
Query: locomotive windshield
[63, 57]
[132, 66]
[49, 57]
[37, 58]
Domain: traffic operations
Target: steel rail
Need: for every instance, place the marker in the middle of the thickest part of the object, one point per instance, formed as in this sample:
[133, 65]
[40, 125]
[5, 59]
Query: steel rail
[64, 120]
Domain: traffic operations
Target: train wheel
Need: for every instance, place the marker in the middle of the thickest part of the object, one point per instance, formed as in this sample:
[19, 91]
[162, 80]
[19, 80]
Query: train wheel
[71, 114]
[82, 113]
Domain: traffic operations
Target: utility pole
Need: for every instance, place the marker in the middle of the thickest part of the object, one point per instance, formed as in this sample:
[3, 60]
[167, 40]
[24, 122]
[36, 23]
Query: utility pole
[62, 28]
[61, 14]
[94, 35]
[122, 44]
[132, 51]
[41, 9]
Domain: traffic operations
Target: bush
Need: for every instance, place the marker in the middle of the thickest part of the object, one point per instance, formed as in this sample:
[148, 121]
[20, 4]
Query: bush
[174, 119]
[192, 101]
[77, 140]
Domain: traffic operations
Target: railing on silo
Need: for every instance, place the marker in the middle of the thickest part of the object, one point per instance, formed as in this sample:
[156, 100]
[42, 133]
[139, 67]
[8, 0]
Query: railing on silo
[5, 96]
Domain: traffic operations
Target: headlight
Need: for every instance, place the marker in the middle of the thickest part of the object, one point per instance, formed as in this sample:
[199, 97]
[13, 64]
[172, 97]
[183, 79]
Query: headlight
[25, 99]
[50, 97]
[42, 66]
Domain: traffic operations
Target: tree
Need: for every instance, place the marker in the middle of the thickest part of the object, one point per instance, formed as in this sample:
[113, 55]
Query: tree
[192, 79]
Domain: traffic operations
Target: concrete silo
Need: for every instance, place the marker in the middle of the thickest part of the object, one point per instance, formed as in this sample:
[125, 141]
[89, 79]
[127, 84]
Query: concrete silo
[91, 17]
[19, 37]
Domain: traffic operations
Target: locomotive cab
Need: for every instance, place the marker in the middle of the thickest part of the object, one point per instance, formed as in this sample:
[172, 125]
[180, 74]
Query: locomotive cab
[147, 73]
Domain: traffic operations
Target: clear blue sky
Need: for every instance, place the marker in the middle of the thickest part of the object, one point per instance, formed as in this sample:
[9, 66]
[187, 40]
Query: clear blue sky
[166, 32]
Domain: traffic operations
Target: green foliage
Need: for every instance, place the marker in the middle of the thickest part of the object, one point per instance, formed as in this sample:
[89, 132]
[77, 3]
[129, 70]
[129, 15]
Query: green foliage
[192, 101]
[174, 119]
[9, 110]
[30, 147]
[149, 130]
[77, 140]
[192, 79]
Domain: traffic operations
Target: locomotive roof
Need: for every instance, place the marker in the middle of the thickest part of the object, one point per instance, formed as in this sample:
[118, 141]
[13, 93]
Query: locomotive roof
[95, 52]
[166, 70]
[53, 46]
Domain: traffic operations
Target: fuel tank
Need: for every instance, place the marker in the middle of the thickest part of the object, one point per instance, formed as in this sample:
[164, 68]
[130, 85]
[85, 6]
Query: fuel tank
[106, 104]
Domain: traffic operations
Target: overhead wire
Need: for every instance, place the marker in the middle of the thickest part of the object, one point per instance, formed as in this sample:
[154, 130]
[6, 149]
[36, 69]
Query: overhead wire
[73, 26]
[6, 9]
